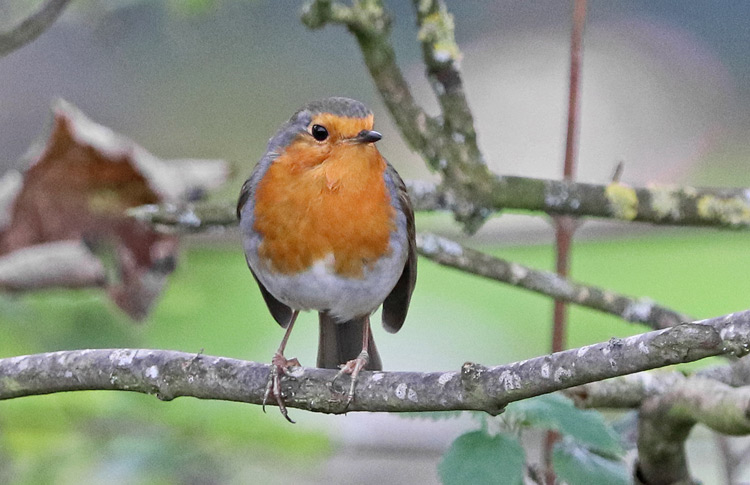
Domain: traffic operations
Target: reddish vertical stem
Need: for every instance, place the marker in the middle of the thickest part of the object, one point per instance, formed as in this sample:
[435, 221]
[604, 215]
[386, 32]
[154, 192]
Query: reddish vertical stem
[574, 92]
[565, 226]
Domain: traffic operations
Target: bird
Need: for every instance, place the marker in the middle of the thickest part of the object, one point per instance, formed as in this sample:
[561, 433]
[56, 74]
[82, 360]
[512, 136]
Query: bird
[327, 225]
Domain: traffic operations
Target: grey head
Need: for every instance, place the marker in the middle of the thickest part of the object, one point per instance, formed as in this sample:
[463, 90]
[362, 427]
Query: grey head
[345, 107]
[298, 123]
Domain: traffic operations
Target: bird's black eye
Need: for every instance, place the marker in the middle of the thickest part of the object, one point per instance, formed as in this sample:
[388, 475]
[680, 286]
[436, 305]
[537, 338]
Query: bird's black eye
[319, 132]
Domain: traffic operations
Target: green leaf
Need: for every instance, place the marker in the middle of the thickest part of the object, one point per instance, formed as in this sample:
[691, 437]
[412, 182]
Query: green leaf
[555, 412]
[478, 458]
[575, 464]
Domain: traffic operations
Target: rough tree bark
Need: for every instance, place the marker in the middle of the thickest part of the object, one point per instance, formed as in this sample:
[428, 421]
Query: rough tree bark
[169, 374]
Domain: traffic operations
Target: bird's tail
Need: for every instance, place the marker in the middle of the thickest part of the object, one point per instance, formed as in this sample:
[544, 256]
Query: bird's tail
[341, 342]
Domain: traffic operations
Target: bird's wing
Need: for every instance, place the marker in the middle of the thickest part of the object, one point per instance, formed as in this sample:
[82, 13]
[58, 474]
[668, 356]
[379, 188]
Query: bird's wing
[281, 313]
[396, 305]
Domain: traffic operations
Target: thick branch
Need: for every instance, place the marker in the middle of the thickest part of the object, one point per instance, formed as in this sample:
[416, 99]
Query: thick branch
[172, 374]
[31, 27]
[640, 310]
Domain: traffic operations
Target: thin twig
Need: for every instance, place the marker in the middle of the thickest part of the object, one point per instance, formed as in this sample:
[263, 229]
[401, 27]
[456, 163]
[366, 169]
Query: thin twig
[565, 226]
[186, 218]
[636, 310]
[31, 27]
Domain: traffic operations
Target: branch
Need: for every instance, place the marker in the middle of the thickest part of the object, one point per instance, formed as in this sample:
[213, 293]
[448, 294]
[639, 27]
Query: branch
[190, 218]
[170, 374]
[442, 58]
[641, 310]
[629, 392]
[31, 27]
[448, 144]
[670, 405]
[370, 24]
[727, 208]
[659, 204]
[185, 218]
[68, 264]
[665, 422]
[469, 189]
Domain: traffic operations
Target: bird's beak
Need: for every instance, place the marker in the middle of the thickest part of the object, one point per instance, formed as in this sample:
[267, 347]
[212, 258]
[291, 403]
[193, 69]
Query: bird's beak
[367, 136]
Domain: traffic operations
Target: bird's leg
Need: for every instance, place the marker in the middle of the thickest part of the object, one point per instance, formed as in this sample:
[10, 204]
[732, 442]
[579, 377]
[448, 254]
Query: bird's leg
[354, 366]
[279, 366]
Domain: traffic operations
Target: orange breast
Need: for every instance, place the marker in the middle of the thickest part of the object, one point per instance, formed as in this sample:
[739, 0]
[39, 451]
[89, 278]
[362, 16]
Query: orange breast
[307, 209]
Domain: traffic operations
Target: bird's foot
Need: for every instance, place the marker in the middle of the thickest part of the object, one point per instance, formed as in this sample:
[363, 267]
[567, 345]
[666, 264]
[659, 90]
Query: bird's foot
[279, 367]
[352, 368]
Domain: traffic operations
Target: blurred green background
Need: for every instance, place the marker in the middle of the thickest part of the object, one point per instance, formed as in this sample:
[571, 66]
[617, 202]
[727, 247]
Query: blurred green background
[665, 90]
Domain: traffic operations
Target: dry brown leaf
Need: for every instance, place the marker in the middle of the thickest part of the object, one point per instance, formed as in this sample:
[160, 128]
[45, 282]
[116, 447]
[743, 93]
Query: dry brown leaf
[78, 187]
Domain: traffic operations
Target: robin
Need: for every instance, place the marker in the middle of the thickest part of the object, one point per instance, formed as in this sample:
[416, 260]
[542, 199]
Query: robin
[327, 225]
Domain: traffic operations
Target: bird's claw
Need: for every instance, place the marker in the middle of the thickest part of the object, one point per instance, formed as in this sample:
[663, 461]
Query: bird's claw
[279, 366]
[353, 367]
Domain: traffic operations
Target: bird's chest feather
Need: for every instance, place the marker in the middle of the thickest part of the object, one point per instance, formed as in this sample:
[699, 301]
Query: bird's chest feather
[338, 211]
